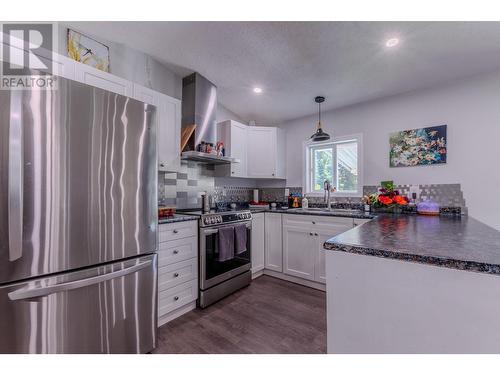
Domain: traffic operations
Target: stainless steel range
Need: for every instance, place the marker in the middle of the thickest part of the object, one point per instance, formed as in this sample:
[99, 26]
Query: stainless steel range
[221, 276]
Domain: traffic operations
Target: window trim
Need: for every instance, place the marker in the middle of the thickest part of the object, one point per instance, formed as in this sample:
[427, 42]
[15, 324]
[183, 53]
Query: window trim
[306, 167]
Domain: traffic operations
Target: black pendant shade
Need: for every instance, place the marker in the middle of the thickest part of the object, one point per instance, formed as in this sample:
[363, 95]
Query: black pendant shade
[320, 135]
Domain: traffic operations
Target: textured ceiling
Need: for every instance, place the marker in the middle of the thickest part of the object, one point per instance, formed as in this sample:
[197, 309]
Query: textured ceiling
[347, 62]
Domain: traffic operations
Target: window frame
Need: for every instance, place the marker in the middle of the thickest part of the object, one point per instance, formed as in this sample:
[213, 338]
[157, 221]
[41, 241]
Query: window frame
[307, 169]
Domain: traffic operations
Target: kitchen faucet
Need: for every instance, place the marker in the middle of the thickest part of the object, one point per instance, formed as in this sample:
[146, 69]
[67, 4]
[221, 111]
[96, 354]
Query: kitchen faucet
[328, 187]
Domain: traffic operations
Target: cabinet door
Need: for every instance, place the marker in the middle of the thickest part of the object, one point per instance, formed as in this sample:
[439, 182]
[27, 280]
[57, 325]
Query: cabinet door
[168, 119]
[261, 153]
[273, 239]
[98, 78]
[299, 252]
[169, 133]
[322, 236]
[238, 149]
[258, 242]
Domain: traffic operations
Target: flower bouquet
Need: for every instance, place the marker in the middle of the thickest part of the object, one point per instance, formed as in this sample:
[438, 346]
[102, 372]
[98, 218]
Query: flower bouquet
[387, 199]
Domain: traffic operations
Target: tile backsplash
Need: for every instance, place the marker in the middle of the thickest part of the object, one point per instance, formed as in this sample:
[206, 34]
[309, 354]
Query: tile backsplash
[183, 190]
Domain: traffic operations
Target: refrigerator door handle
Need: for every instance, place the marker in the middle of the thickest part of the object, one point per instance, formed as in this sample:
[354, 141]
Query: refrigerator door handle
[15, 183]
[29, 293]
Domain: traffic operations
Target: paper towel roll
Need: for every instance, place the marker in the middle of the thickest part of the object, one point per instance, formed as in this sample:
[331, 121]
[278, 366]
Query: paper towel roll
[255, 195]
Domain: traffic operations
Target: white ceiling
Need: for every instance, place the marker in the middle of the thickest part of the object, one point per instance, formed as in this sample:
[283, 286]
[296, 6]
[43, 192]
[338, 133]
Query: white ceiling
[347, 62]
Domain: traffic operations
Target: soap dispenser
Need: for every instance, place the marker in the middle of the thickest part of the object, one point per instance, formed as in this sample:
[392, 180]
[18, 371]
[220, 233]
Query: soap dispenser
[305, 202]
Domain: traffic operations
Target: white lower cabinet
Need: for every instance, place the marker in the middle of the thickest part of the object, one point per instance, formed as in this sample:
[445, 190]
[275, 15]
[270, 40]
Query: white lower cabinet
[300, 246]
[177, 269]
[258, 242]
[273, 242]
[303, 237]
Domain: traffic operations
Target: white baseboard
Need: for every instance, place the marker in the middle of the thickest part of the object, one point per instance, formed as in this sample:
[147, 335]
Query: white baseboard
[296, 280]
[256, 274]
[176, 313]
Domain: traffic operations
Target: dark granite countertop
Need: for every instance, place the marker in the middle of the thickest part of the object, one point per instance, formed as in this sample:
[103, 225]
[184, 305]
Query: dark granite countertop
[333, 212]
[176, 218]
[458, 242]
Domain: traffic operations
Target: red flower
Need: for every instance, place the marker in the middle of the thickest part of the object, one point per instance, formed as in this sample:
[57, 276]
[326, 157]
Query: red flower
[384, 199]
[402, 201]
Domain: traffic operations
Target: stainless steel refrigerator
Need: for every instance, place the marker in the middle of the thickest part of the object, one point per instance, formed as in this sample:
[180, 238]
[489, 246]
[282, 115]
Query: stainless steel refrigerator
[78, 221]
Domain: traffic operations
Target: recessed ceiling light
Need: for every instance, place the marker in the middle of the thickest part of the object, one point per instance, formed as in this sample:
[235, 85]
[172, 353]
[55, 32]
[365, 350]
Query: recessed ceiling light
[257, 90]
[392, 42]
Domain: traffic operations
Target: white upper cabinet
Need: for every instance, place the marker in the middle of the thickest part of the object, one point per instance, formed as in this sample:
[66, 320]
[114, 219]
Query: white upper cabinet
[169, 134]
[168, 119]
[97, 78]
[260, 149]
[234, 136]
[265, 152]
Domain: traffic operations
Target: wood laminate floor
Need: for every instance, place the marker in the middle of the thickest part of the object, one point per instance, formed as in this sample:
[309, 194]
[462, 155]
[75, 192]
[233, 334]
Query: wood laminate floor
[269, 316]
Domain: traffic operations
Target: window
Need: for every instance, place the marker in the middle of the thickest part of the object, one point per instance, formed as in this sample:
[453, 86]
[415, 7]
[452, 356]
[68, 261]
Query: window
[337, 161]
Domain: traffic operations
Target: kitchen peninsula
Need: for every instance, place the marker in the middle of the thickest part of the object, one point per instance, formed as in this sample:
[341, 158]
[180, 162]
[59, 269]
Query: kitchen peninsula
[414, 284]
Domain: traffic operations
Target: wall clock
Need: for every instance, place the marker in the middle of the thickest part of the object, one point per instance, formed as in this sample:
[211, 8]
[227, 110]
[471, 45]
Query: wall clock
[87, 50]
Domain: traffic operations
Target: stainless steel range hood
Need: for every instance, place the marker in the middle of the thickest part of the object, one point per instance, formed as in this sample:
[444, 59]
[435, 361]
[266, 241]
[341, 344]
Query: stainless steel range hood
[199, 108]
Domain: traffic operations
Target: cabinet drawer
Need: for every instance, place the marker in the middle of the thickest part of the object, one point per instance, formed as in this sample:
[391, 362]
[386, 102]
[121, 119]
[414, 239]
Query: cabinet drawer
[310, 220]
[174, 251]
[180, 295]
[177, 273]
[174, 231]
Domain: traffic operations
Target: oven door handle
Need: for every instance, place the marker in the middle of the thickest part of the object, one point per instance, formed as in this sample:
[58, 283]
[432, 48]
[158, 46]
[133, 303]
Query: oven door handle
[214, 231]
[210, 231]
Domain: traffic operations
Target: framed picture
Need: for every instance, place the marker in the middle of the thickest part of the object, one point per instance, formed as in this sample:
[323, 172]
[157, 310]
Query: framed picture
[87, 50]
[424, 146]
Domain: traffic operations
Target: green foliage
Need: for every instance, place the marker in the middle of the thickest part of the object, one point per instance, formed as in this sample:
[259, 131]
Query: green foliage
[323, 167]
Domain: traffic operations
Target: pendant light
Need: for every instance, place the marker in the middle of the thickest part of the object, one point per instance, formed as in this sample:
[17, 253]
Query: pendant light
[320, 135]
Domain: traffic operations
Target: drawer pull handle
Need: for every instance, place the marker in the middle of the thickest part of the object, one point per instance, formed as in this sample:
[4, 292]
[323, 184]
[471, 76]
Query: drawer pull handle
[315, 234]
[175, 231]
[314, 222]
[310, 233]
[176, 298]
[176, 251]
[176, 274]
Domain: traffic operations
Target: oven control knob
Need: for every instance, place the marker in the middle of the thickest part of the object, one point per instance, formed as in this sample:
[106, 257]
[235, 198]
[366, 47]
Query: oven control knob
[207, 220]
[219, 219]
[211, 220]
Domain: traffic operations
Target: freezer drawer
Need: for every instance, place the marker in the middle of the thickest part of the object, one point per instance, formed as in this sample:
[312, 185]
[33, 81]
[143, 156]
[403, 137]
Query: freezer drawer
[107, 309]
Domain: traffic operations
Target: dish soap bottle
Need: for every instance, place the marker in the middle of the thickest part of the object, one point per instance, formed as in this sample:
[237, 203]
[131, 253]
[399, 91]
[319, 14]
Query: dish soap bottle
[305, 202]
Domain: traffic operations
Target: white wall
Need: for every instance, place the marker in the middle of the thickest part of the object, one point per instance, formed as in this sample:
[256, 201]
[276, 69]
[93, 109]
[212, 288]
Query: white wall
[470, 108]
[224, 114]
